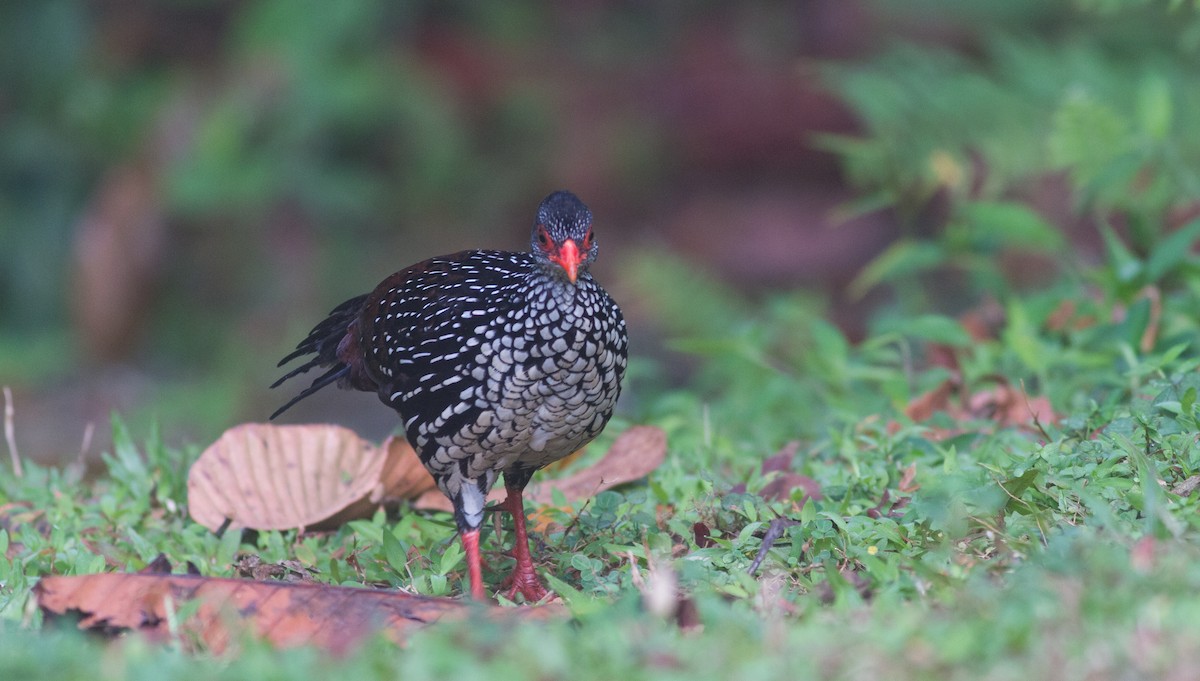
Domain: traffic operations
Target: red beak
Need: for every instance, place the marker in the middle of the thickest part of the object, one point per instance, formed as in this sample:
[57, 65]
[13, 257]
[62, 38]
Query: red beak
[569, 258]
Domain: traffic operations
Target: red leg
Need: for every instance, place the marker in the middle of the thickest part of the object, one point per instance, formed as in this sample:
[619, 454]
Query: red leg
[470, 541]
[523, 579]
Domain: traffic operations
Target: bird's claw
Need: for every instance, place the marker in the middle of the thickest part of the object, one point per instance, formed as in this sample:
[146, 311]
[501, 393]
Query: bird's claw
[524, 582]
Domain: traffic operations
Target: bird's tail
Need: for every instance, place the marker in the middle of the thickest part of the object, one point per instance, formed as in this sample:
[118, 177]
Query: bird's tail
[326, 342]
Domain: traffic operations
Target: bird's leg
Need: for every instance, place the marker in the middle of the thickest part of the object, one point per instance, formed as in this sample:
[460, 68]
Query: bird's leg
[523, 579]
[470, 541]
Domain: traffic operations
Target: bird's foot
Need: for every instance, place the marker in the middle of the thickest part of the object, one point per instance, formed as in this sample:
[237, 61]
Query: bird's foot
[524, 581]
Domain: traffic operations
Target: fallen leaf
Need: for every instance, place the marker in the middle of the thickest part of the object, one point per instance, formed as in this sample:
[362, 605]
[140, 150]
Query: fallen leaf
[1005, 404]
[632, 456]
[786, 479]
[1009, 406]
[403, 478]
[982, 324]
[287, 614]
[269, 477]
[250, 566]
[938, 399]
[565, 462]
[703, 536]
[1186, 487]
[984, 321]
[781, 461]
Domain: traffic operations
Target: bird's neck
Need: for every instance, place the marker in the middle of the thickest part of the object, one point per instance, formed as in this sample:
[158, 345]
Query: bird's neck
[554, 288]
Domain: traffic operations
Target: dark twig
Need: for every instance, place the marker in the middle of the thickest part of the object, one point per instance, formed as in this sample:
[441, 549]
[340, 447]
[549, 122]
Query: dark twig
[774, 532]
[1037, 422]
[575, 520]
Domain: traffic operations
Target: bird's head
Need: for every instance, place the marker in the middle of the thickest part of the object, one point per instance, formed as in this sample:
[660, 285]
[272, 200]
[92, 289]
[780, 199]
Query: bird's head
[562, 235]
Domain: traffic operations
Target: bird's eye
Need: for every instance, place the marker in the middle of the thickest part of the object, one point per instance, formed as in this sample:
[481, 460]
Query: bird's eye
[587, 240]
[544, 238]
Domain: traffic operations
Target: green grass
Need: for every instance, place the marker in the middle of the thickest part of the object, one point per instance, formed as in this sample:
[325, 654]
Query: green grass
[1054, 552]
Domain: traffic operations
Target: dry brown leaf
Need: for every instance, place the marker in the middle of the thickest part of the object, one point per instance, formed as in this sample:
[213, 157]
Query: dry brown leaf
[404, 476]
[635, 453]
[1010, 406]
[632, 456]
[786, 479]
[984, 321]
[434, 500]
[1005, 404]
[282, 477]
[565, 462]
[938, 399]
[287, 614]
[702, 534]
[265, 477]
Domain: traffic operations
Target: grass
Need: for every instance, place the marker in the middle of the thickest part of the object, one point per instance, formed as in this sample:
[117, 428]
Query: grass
[1062, 550]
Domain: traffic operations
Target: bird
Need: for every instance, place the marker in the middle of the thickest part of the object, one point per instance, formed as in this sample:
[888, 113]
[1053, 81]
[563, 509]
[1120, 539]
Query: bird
[497, 362]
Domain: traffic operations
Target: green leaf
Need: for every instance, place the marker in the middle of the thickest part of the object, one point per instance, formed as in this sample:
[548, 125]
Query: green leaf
[1016, 487]
[1155, 504]
[396, 554]
[306, 554]
[1087, 136]
[450, 559]
[1007, 224]
[902, 259]
[1154, 106]
[1172, 251]
[228, 547]
[1021, 335]
[1137, 318]
[932, 328]
[579, 603]
[829, 342]
[1124, 263]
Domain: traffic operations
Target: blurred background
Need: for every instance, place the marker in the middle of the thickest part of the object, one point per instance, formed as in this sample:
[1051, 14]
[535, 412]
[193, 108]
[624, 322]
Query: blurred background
[187, 186]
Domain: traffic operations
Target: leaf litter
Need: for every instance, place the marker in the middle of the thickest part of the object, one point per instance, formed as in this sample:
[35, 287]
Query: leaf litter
[1003, 405]
[258, 476]
[286, 614]
[267, 477]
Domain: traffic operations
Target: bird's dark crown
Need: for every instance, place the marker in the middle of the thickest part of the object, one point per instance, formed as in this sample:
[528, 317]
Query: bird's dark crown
[564, 216]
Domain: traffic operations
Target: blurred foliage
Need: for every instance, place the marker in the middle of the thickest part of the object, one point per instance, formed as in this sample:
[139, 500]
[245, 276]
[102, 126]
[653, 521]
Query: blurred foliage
[323, 115]
[1103, 94]
[285, 145]
[302, 150]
